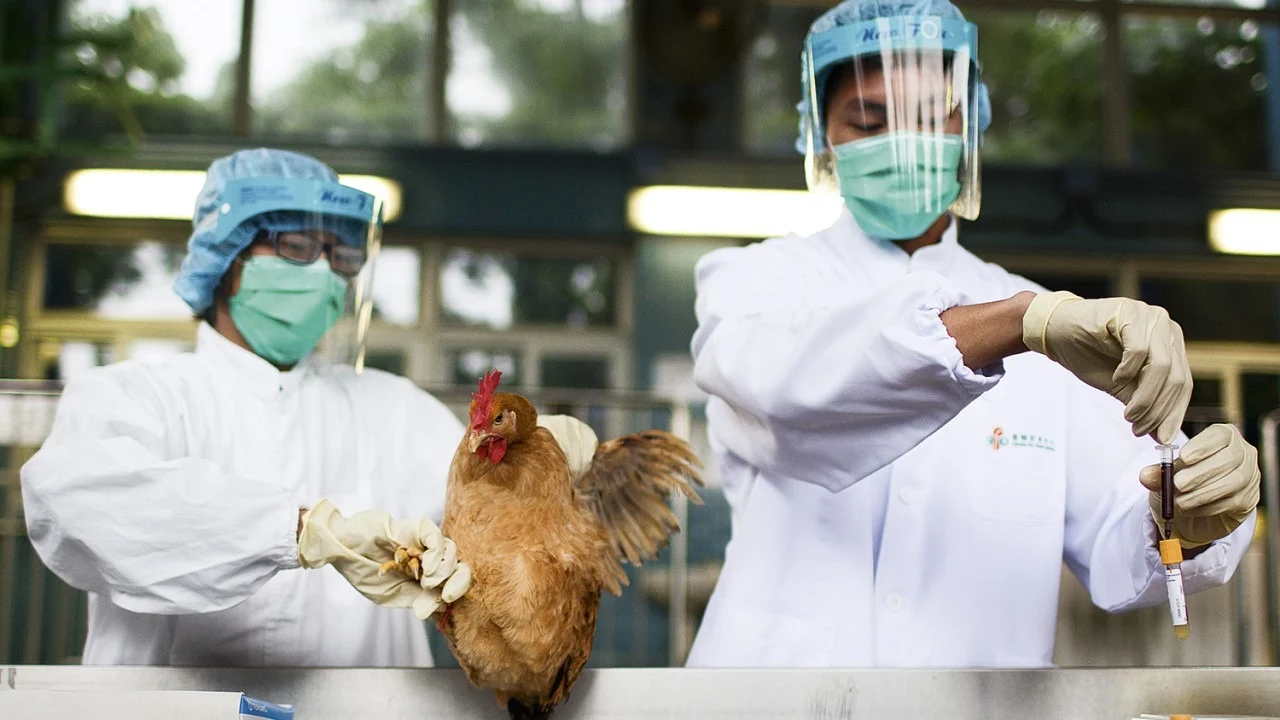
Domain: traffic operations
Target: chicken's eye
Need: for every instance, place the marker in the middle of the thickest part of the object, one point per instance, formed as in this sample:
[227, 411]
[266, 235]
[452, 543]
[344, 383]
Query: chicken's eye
[497, 420]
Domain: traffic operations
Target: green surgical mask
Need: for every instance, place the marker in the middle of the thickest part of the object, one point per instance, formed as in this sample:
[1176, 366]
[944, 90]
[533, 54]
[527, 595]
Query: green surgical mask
[897, 185]
[283, 309]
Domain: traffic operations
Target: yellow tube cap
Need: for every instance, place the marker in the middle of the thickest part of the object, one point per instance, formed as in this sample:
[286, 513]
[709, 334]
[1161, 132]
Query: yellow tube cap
[1170, 552]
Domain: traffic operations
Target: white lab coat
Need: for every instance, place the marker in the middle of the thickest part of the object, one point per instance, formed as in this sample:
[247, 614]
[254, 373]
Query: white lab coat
[171, 493]
[874, 520]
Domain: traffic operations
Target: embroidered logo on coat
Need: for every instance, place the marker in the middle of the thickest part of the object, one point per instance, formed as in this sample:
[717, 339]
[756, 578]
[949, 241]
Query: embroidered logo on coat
[999, 439]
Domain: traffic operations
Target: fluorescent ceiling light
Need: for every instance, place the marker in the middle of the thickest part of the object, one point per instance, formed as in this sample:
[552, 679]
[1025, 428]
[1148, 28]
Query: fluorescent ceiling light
[729, 212]
[160, 194]
[171, 194]
[1245, 231]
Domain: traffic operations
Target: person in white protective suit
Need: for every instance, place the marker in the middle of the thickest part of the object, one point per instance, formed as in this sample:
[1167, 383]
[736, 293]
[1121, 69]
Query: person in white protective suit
[911, 440]
[196, 499]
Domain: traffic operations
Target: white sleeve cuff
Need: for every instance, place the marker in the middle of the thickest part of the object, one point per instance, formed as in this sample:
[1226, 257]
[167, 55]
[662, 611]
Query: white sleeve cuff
[944, 298]
[285, 551]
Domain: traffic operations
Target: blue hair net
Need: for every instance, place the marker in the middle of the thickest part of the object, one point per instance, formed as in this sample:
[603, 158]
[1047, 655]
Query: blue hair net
[209, 256]
[855, 11]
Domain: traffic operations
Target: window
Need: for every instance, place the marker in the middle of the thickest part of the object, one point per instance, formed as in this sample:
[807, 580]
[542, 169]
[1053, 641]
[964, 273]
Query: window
[550, 322]
[160, 66]
[1044, 72]
[575, 372]
[1189, 81]
[342, 71]
[1261, 395]
[116, 282]
[539, 72]
[397, 286]
[469, 365]
[500, 290]
[76, 356]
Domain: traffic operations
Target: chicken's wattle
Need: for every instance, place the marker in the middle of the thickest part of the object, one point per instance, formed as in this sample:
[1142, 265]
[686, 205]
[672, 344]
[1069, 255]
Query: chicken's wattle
[493, 450]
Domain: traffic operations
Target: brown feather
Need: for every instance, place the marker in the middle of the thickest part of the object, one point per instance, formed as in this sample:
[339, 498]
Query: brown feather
[626, 489]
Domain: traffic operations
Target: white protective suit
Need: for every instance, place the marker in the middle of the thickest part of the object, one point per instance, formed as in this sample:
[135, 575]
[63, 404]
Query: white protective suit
[890, 507]
[171, 493]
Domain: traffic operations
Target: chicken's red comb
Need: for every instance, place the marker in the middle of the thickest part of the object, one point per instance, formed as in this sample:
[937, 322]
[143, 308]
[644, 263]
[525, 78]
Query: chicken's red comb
[483, 398]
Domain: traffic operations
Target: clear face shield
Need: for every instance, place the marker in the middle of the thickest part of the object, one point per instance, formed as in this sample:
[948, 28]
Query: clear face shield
[892, 122]
[307, 281]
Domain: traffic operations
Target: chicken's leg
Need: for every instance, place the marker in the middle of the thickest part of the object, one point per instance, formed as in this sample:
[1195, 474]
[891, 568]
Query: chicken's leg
[406, 561]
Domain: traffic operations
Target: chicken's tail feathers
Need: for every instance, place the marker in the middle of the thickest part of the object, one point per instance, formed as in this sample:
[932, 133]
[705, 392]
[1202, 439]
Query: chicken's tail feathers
[627, 486]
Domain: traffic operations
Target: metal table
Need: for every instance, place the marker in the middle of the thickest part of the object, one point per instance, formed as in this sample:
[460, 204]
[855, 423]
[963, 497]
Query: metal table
[330, 694]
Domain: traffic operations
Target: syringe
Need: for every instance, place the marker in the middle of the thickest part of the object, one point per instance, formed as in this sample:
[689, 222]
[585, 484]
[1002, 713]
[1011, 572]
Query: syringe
[1166, 487]
[1170, 548]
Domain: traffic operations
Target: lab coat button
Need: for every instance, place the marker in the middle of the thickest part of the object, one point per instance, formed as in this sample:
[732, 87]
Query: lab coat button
[893, 601]
[908, 495]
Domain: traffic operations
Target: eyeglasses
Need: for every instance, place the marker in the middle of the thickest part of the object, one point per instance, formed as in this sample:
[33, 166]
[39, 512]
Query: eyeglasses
[305, 247]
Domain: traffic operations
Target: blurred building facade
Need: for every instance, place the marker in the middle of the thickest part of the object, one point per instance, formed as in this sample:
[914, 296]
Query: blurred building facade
[517, 134]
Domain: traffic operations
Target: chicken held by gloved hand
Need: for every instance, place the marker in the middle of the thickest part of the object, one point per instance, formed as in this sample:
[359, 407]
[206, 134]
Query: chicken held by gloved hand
[543, 541]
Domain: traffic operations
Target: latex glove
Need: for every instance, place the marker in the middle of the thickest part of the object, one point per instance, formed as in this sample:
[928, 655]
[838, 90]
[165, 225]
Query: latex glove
[1217, 479]
[358, 547]
[1126, 348]
[576, 438]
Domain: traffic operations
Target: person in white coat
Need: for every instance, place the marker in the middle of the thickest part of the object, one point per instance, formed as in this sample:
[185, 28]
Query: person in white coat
[188, 497]
[912, 441]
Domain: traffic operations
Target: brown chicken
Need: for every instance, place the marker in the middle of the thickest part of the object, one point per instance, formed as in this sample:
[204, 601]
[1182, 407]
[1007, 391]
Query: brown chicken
[542, 545]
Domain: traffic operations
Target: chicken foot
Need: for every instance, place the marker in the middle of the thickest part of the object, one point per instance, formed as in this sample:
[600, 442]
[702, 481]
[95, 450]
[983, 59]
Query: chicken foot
[407, 560]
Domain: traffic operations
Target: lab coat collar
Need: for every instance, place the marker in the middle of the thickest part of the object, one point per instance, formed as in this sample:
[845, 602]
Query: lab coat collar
[861, 249]
[244, 368]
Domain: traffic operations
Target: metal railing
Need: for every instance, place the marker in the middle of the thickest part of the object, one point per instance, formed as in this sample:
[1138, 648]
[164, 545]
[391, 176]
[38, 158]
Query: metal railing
[26, 415]
[48, 616]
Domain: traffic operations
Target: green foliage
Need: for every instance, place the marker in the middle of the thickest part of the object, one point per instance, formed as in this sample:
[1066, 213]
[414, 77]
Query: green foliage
[1044, 71]
[376, 90]
[564, 71]
[126, 71]
[1198, 94]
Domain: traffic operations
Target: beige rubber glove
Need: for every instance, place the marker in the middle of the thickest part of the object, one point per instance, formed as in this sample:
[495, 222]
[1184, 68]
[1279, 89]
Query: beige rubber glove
[576, 438]
[358, 547]
[1217, 479]
[1126, 348]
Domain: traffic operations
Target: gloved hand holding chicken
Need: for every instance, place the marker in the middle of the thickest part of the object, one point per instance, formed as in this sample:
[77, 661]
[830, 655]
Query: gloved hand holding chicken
[369, 544]
[545, 531]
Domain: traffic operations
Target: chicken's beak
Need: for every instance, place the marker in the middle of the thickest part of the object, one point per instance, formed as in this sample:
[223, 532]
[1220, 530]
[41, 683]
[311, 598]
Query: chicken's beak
[475, 439]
